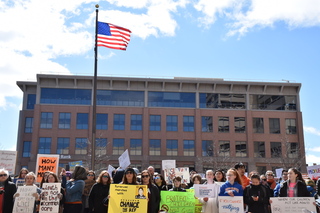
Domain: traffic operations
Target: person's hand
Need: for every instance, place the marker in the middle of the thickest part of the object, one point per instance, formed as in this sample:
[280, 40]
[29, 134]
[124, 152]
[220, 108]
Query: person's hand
[255, 198]
[270, 201]
[60, 196]
[16, 195]
[63, 172]
[36, 195]
[230, 193]
[205, 199]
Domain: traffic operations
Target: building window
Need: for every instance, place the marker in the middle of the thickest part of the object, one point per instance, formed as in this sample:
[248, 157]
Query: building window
[172, 99]
[118, 146]
[172, 147]
[155, 147]
[81, 146]
[65, 96]
[28, 125]
[26, 152]
[31, 101]
[135, 147]
[63, 146]
[44, 146]
[258, 126]
[101, 146]
[120, 98]
[259, 149]
[223, 101]
[136, 122]
[102, 121]
[64, 120]
[188, 147]
[293, 151]
[207, 148]
[275, 149]
[291, 127]
[172, 123]
[241, 149]
[224, 148]
[206, 124]
[119, 122]
[188, 123]
[239, 125]
[46, 120]
[223, 124]
[272, 102]
[82, 120]
[155, 123]
[274, 125]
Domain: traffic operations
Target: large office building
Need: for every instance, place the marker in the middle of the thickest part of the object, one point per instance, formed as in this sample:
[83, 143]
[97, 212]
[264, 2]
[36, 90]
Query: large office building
[202, 123]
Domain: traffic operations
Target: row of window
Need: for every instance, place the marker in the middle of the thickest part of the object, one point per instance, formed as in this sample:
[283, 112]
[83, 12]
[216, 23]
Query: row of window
[118, 147]
[82, 122]
[162, 99]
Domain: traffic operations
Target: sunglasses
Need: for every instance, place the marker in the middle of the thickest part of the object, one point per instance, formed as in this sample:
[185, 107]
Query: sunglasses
[144, 176]
[3, 175]
[105, 176]
[129, 173]
[90, 175]
[269, 174]
[157, 178]
[264, 179]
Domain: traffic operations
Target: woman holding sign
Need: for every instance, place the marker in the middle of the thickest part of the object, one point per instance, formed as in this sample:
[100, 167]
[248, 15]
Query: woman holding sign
[153, 192]
[210, 204]
[233, 185]
[294, 186]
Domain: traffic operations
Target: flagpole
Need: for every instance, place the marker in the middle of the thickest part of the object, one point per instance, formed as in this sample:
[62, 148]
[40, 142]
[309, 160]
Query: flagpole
[94, 104]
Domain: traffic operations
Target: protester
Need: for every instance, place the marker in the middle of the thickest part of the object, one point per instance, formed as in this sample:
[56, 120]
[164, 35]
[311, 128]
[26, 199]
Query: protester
[88, 183]
[270, 179]
[153, 192]
[160, 183]
[177, 184]
[118, 175]
[44, 178]
[7, 190]
[219, 176]
[232, 187]
[193, 172]
[98, 198]
[130, 177]
[256, 196]
[23, 172]
[241, 168]
[284, 177]
[151, 171]
[53, 178]
[311, 186]
[196, 179]
[210, 204]
[294, 186]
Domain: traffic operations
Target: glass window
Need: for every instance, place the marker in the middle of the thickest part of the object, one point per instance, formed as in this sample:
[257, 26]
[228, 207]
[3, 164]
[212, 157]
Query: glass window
[118, 121]
[172, 99]
[65, 96]
[28, 125]
[274, 125]
[241, 149]
[273, 102]
[239, 125]
[224, 148]
[291, 127]
[172, 147]
[258, 126]
[136, 122]
[155, 147]
[26, 152]
[81, 146]
[155, 123]
[293, 151]
[223, 124]
[101, 147]
[188, 147]
[259, 149]
[172, 123]
[206, 124]
[102, 121]
[64, 120]
[207, 148]
[63, 146]
[135, 146]
[82, 120]
[31, 101]
[118, 146]
[46, 120]
[120, 98]
[276, 150]
[188, 123]
[226, 101]
[44, 146]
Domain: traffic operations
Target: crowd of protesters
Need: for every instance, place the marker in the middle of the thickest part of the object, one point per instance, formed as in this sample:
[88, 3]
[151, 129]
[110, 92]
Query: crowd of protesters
[84, 191]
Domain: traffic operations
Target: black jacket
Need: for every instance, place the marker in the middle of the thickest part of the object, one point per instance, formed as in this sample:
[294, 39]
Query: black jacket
[97, 195]
[300, 189]
[260, 206]
[154, 198]
[9, 190]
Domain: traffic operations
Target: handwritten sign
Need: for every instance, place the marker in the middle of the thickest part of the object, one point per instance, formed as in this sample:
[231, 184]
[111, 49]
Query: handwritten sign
[292, 204]
[197, 203]
[313, 171]
[110, 169]
[124, 160]
[50, 201]
[229, 204]
[46, 163]
[123, 198]
[25, 202]
[176, 202]
[8, 160]
[168, 164]
[183, 172]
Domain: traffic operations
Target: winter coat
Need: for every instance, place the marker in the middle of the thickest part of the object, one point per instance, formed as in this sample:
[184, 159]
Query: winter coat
[260, 206]
[300, 189]
[98, 194]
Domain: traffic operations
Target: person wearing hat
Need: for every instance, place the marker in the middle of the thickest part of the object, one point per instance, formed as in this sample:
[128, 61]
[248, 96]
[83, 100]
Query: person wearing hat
[241, 169]
[130, 177]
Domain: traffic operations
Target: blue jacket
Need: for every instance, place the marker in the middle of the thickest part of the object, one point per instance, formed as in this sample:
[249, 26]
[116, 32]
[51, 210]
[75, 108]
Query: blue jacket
[74, 190]
[235, 187]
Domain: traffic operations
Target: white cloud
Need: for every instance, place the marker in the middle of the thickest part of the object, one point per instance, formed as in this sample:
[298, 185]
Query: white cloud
[313, 149]
[311, 130]
[310, 159]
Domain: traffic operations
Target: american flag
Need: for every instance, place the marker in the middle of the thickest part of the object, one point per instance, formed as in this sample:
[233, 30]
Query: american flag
[113, 36]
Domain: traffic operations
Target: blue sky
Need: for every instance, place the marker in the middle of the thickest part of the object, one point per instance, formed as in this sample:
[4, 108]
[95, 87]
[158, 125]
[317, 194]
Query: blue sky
[256, 40]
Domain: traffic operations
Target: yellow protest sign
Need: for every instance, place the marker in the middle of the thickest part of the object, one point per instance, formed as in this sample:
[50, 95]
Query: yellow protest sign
[128, 198]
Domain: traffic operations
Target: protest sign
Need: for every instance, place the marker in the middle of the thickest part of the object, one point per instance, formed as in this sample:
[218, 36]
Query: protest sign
[168, 164]
[229, 204]
[110, 169]
[73, 164]
[292, 204]
[46, 163]
[8, 160]
[26, 201]
[50, 201]
[183, 172]
[205, 190]
[197, 203]
[176, 202]
[279, 172]
[313, 171]
[124, 160]
[128, 198]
